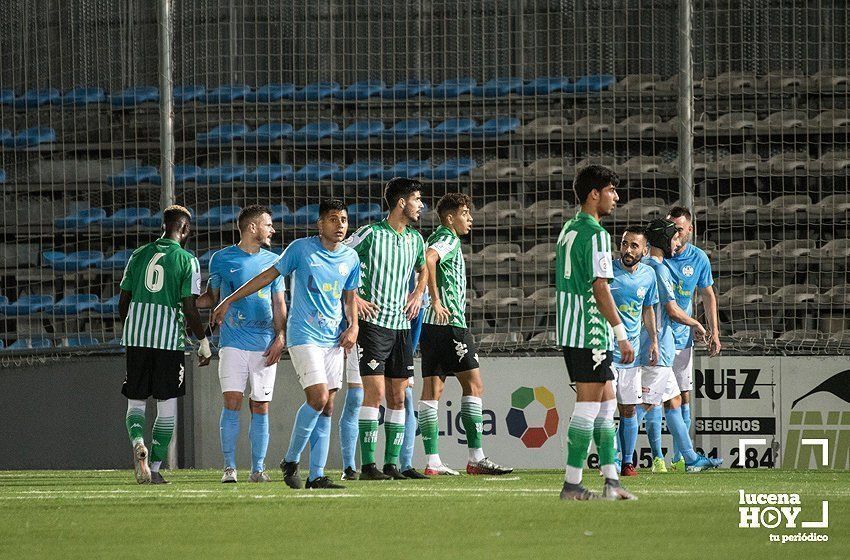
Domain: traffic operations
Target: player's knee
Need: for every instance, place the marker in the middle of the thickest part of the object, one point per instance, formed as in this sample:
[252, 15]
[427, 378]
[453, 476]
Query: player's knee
[627, 410]
[395, 401]
[474, 386]
[261, 407]
[232, 400]
[317, 399]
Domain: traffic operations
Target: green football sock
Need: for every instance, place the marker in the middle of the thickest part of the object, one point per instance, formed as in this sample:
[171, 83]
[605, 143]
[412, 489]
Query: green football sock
[579, 435]
[429, 427]
[473, 421]
[163, 429]
[135, 421]
[603, 436]
[368, 430]
[394, 431]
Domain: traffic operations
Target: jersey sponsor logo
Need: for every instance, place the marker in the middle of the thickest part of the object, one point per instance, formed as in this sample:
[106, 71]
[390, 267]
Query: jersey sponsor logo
[688, 270]
[460, 349]
[264, 293]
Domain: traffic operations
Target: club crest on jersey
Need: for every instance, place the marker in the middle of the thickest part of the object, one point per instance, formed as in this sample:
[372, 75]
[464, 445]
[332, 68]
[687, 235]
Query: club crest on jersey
[688, 270]
[343, 269]
[641, 292]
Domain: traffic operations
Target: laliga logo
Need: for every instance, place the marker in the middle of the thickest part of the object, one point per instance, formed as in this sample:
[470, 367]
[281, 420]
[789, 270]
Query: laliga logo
[781, 508]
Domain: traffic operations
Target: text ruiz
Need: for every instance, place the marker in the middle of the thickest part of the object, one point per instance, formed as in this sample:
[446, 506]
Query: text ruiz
[772, 510]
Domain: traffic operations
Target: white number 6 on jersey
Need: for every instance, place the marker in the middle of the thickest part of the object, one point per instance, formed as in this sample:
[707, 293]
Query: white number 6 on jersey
[154, 274]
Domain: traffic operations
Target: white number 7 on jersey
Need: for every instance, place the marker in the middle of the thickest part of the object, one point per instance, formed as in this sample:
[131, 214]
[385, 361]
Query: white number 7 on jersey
[155, 274]
[568, 240]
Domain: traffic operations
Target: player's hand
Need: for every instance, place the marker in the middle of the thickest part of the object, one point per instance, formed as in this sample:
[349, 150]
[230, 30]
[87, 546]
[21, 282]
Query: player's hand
[714, 345]
[217, 316]
[413, 305]
[653, 353]
[204, 352]
[275, 350]
[348, 338]
[700, 332]
[442, 314]
[627, 353]
[365, 309]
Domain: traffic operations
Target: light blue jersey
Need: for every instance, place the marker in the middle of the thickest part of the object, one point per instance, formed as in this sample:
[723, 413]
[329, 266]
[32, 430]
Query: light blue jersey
[663, 322]
[248, 324]
[318, 278]
[691, 269]
[632, 291]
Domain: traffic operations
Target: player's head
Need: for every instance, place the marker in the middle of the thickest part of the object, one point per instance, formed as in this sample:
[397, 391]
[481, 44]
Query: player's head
[255, 223]
[404, 196]
[662, 234]
[633, 246]
[681, 216]
[595, 187]
[333, 220]
[175, 223]
[455, 211]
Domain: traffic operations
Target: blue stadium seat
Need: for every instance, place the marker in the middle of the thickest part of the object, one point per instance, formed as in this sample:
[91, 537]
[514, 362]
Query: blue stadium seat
[361, 90]
[134, 175]
[80, 340]
[314, 132]
[495, 127]
[7, 96]
[134, 96]
[2, 175]
[218, 216]
[117, 260]
[124, 218]
[359, 171]
[407, 89]
[26, 305]
[451, 169]
[407, 128]
[81, 96]
[279, 211]
[545, 85]
[270, 92]
[5, 135]
[37, 97]
[455, 87]
[31, 137]
[360, 130]
[313, 172]
[498, 87]
[270, 173]
[410, 169]
[107, 306]
[268, 133]
[186, 94]
[221, 174]
[80, 219]
[204, 260]
[227, 93]
[72, 262]
[315, 92]
[363, 212]
[452, 128]
[594, 82]
[30, 344]
[186, 173]
[222, 134]
[305, 215]
[73, 304]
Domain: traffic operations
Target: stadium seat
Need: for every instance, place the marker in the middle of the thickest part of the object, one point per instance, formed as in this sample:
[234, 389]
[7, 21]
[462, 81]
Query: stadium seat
[591, 83]
[117, 260]
[738, 256]
[268, 133]
[842, 337]
[270, 173]
[33, 98]
[186, 173]
[452, 88]
[547, 338]
[739, 164]
[315, 132]
[407, 89]
[451, 169]
[793, 294]
[832, 256]
[640, 210]
[452, 128]
[787, 255]
[315, 172]
[31, 344]
[499, 213]
[785, 208]
[741, 296]
[545, 212]
[837, 295]
[218, 216]
[782, 81]
[539, 258]
[80, 219]
[739, 207]
[834, 161]
[222, 134]
[545, 126]
[540, 303]
[182, 95]
[315, 92]
[411, 168]
[803, 335]
[73, 304]
[6, 136]
[832, 119]
[501, 338]
[26, 305]
[7, 96]
[80, 340]
[834, 206]
[634, 83]
[498, 299]
[359, 171]
[221, 174]
[547, 167]
[361, 90]
[497, 169]
[303, 216]
[135, 175]
[495, 127]
[364, 212]
[643, 125]
[545, 85]
[360, 130]
[134, 96]
[748, 335]
[647, 164]
[785, 163]
[782, 121]
[408, 128]
[279, 211]
[124, 218]
[830, 79]
[204, 260]
[81, 96]
[731, 82]
[31, 137]
[227, 94]
[495, 253]
[498, 87]
[730, 121]
[73, 262]
[270, 92]
[594, 124]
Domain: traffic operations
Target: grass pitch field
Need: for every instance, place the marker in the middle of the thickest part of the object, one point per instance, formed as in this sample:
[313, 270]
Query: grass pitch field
[104, 514]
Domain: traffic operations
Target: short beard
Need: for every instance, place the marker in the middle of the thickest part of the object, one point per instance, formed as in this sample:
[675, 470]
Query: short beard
[411, 218]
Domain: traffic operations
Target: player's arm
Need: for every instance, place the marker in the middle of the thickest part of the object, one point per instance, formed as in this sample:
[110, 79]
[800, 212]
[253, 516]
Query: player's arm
[432, 257]
[606, 305]
[349, 336]
[360, 241]
[648, 318]
[124, 305]
[253, 285]
[414, 299]
[193, 319]
[279, 315]
[678, 315]
[709, 304]
[207, 299]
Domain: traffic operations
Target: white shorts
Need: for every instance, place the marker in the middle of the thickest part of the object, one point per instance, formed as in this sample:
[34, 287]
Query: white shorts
[317, 364]
[683, 368]
[236, 367]
[352, 366]
[658, 384]
[627, 385]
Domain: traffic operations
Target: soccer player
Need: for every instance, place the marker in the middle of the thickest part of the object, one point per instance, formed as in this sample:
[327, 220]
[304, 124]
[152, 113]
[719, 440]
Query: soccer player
[583, 269]
[635, 295]
[325, 275]
[252, 338]
[658, 381]
[389, 250]
[158, 291]
[448, 348]
[691, 270]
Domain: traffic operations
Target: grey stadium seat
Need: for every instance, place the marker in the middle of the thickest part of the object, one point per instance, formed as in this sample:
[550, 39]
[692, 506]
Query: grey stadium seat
[547, 167]
[495, 339]
[545, 126]
[647, 164]
[788, 255]
[832, 256]
[742, 296]
[783, 121]
[803, 335]
[643, 125]
[834, 206]
[794, 294]
[785, 163]
[780, 81]
[835, 118]
[731, 121]
[837, 295]
[830, 79]
[497, 169]
[737, 164]
[739, 206]
[785, 207]
[831, 162]
[495, 253]
[548, 212]
[499, 212]
[639, 82]
[738, 256]
[594, 124]
[730, 82]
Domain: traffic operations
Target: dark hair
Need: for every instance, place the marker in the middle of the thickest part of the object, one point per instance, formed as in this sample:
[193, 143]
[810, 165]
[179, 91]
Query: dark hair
[679, 211]
[174, 216]
[329, 204]
[399, 188]
[451, 202]
[251, 213]
[637, 230]
[593, 177]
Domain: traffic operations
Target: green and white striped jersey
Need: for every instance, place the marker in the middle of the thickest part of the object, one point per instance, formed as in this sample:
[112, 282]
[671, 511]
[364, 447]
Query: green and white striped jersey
[583, 254]
[159, 275]
[451, 277]
[387, 259]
